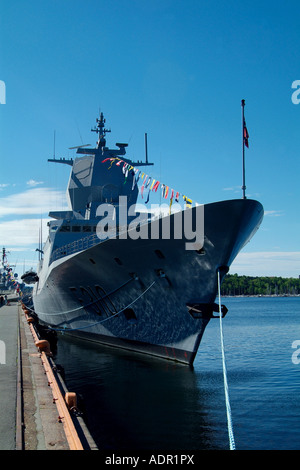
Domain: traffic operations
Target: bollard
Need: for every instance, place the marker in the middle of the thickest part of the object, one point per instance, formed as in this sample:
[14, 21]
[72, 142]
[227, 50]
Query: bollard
[71, 400]
[44, 346]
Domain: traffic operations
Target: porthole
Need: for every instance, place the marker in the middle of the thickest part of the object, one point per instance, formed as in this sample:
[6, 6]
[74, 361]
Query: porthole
[159, 254]
[129, 314]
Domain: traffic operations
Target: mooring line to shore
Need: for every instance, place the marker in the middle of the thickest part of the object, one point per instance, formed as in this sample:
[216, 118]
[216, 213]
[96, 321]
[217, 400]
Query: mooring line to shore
[105, 319]
[83, 306]
[228, 407]
[101, 321]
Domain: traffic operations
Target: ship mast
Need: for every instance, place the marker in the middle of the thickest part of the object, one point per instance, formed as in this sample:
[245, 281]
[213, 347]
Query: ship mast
[101, 148]
[4, 258]
[100, 129]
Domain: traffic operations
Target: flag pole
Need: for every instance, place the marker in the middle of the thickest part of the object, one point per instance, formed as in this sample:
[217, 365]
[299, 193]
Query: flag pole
[243, 136]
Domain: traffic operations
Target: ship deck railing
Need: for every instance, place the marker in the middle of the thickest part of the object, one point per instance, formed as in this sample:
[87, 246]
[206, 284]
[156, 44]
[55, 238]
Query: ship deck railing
[79, 245]
[74, 247]
[90, 240]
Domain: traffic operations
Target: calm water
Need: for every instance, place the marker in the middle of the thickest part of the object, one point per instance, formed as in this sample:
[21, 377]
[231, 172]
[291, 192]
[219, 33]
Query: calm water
[133, 402]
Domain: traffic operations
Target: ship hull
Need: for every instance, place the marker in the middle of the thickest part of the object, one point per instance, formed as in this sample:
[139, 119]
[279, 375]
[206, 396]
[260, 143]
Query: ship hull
[138, 294]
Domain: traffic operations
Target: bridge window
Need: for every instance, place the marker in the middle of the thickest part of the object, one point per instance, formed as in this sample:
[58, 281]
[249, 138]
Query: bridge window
[65, 228]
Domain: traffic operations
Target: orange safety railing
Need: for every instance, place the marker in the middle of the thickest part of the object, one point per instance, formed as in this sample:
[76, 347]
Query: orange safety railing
[64, 415]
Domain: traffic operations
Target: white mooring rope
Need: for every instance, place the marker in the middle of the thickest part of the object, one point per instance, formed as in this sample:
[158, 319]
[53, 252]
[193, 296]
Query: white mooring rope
[101, 321]
[228, 408]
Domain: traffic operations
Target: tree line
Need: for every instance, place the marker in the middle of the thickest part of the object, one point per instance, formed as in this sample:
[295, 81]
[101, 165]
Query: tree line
[246, 285]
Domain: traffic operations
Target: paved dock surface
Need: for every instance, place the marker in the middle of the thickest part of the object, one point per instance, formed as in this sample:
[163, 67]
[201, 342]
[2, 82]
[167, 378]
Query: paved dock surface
[29, 418]
[8, 375]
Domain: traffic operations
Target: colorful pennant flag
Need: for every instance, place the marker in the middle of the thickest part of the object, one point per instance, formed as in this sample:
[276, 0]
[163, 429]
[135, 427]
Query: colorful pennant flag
[166, 190]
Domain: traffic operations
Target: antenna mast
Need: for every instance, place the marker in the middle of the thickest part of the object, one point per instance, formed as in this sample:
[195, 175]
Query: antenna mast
[146, 148]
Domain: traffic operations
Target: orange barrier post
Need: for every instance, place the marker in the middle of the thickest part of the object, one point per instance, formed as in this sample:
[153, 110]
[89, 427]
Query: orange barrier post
[62, 407]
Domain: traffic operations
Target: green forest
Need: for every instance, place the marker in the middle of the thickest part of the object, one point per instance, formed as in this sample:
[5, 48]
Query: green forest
[246, 285]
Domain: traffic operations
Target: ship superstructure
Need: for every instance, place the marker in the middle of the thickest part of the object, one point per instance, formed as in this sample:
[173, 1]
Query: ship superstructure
[140, 283]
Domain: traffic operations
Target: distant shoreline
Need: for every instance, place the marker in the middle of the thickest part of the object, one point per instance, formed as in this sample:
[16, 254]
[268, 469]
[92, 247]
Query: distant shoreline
[234, 285]
[261, 295]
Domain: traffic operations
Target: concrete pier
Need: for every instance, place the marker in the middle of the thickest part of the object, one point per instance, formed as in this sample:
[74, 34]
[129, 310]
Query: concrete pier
[29, 408]
[8, 375]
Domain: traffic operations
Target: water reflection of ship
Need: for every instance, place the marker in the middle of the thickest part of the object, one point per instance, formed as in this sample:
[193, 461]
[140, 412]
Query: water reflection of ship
[150, 295]
[141, 402]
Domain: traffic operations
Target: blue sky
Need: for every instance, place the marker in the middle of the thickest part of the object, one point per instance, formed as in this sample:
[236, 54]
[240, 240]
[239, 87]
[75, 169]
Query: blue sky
[174, 69]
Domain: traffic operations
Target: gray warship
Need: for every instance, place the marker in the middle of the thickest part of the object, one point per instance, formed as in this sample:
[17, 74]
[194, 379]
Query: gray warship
[138, 283]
